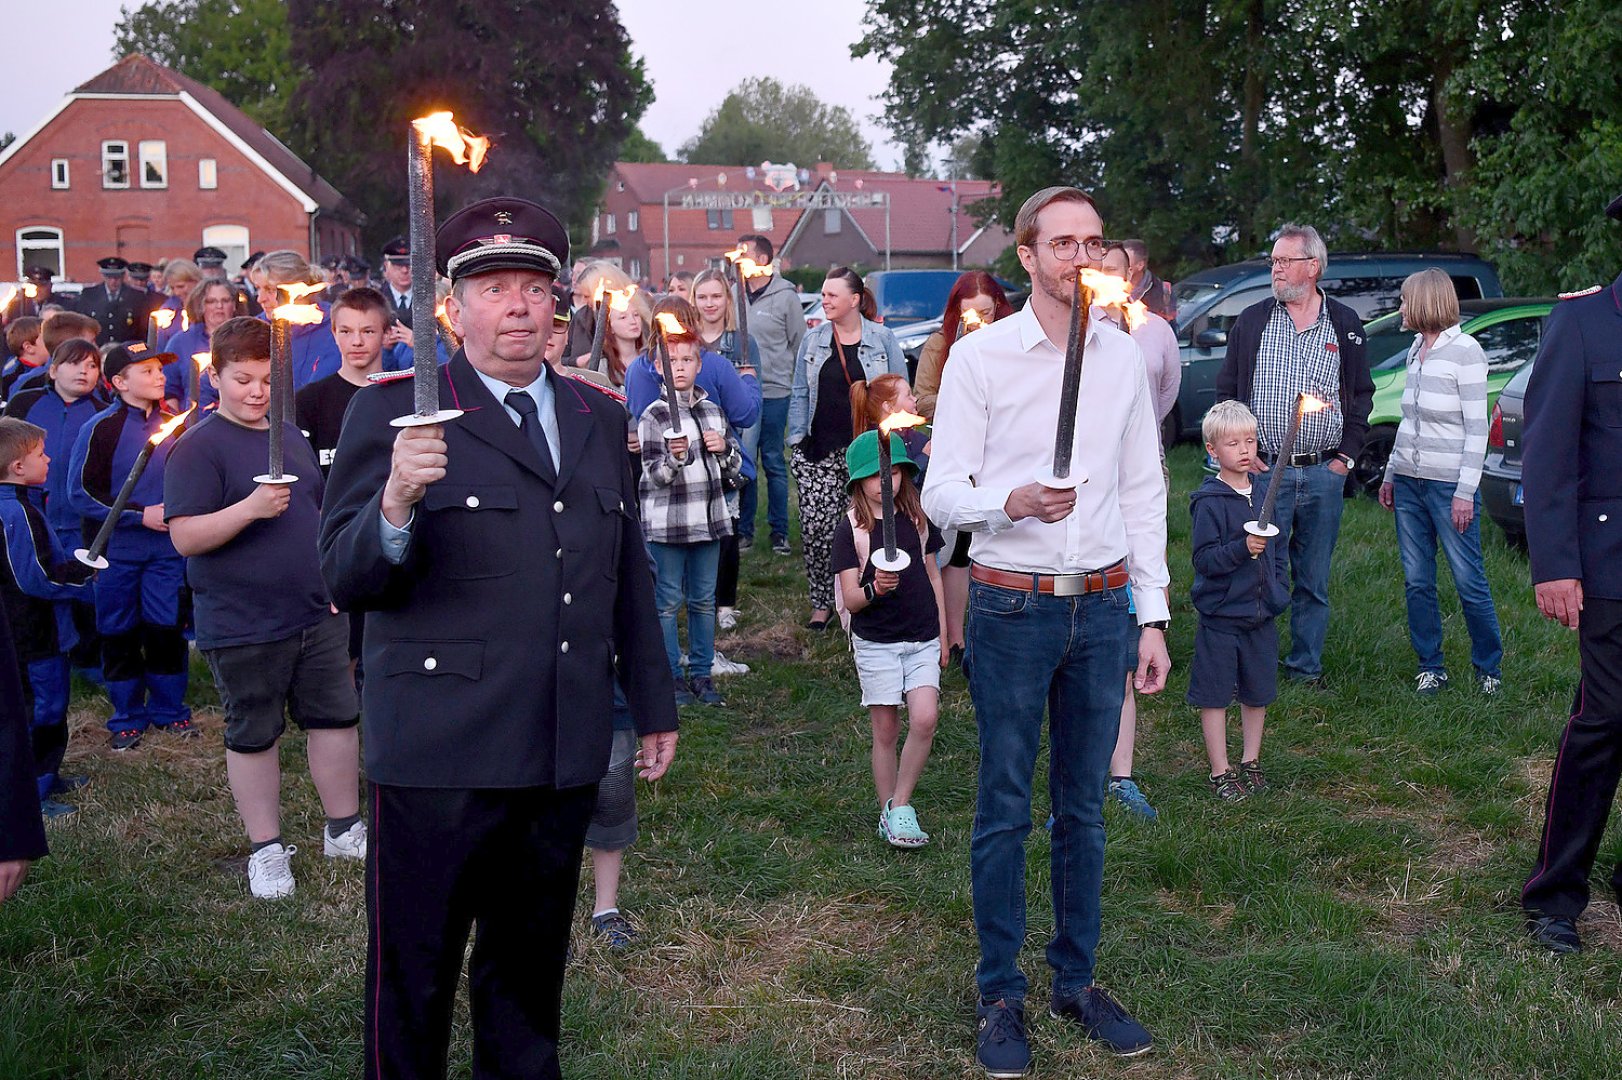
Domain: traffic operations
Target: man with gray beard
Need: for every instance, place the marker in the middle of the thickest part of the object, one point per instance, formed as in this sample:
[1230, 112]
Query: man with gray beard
[1302, 341]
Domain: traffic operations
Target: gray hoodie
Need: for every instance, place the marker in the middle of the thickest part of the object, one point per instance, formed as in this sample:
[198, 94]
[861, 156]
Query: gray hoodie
[777, 323]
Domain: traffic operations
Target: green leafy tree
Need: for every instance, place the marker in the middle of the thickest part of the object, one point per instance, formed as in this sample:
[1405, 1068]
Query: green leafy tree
[763, 120]
[238, 47]
[638, 147]
[373, 65]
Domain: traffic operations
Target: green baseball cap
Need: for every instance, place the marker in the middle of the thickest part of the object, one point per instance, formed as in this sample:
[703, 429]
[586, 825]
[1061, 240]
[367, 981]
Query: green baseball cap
[862, 456]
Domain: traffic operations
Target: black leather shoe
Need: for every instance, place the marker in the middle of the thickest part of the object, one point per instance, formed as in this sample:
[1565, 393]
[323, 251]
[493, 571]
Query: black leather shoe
[1556, 933]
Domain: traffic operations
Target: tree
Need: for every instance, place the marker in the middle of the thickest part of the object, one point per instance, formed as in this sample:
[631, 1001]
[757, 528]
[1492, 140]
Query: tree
[238, 47]
[554, 85]
[763, 120]
[638, 147]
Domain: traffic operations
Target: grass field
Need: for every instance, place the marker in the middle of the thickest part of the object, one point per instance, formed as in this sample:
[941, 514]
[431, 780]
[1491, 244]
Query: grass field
[1360, 920]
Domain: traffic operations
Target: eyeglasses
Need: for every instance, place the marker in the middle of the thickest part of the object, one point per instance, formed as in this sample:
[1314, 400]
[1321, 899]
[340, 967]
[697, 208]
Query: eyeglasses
[1282, 262]
[1065, 247]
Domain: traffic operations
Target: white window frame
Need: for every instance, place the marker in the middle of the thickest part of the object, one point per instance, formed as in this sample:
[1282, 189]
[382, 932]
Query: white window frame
[153, 152]
[39, 243]
[608, 224]
[231, 239]
[761, 219]
[833, 221]
[108, 157]
[60, 176]
[208, 174]
[633, 219]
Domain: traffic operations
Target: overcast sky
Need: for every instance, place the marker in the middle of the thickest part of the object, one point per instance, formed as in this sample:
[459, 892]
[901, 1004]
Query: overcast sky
[693, 55]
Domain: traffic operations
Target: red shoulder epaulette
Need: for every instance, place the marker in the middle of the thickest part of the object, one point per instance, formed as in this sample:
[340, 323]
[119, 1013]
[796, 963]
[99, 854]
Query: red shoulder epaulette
[390, 376]
[607, 391]
[1590, 291]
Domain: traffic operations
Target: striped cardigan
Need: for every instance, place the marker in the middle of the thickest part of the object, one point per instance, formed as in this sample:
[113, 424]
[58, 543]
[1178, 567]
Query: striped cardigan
[1443, 435]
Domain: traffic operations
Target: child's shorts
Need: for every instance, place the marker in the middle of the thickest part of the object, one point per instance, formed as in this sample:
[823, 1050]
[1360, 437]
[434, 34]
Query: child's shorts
[305, 676]
[889, 669]
[1234, 665]
[613, 820]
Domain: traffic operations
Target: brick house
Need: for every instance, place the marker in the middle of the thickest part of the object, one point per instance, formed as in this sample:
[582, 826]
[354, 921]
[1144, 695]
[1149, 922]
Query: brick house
[145, 163]
[642, 214]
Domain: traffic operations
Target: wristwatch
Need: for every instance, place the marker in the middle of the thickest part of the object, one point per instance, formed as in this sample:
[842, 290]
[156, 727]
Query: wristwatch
[1159, 624]
[1346, 460]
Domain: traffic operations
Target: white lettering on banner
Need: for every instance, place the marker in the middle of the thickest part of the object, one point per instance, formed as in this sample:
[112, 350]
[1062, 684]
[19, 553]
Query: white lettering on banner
[329, 456]
[787, 200]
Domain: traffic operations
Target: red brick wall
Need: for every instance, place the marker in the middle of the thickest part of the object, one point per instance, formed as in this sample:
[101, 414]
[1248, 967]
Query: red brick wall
[153, 223]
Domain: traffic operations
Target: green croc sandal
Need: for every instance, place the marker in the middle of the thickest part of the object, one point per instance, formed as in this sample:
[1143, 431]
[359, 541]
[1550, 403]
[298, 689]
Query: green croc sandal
[901, 827]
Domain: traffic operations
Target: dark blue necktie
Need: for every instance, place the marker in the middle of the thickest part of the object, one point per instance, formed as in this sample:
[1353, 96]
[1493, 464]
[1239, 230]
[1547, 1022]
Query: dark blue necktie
[520, 402]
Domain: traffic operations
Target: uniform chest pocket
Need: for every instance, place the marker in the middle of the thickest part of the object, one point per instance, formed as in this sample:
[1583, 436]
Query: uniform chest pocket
[612, 523]
[471, 529]
[1605, 394]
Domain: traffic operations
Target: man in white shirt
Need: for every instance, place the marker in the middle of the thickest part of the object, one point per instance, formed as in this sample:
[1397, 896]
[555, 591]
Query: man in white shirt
[1049, 625]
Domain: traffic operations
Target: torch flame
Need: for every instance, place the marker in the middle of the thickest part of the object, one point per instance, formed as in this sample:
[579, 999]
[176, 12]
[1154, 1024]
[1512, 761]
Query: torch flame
[735, 254]
[1111, 291]
[169, 426]
[749, 268]
[439, 312]
[972, 320]
[620, 299]
[7, 296]
[298, 290]
[163, 317]
[441, 130]
[31, 290]
[670, 326]
[1310, 404]
[897, 420]
[297, 314]
[201, 360]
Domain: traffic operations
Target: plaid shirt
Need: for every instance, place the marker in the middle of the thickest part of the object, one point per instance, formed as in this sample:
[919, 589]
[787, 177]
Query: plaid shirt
[685, 502]
[1288, 362]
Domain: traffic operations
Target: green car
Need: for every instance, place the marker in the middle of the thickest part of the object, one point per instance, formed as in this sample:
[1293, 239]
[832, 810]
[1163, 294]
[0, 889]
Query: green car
[1509, 330]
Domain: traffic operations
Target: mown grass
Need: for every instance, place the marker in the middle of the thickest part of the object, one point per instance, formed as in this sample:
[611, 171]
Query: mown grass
[1360, 920]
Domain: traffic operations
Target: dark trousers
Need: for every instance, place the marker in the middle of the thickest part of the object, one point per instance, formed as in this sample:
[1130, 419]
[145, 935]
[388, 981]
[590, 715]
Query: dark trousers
[1584, 780]
[726, 578]
[504, 863]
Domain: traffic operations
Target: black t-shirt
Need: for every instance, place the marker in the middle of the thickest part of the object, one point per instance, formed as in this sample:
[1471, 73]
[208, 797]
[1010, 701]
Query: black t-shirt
[908, 613]
[830, 425]
[320, 409]
[264, 584]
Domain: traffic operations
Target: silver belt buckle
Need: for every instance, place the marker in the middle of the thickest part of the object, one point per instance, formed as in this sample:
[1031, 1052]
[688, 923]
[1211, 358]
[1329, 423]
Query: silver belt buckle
[1069, 584]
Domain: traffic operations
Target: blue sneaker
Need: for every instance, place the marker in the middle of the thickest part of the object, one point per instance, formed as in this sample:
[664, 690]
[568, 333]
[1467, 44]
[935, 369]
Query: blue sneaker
[1129, 795]
[684, 693]
[53, 810]
[1000, 1043]
[1105, 1021]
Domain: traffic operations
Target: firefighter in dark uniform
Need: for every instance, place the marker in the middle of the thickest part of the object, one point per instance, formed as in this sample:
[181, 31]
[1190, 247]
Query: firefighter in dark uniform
[139, 276]
[22, 304]
[500, 563]
[1572, 472]
[120, 309]
[397, 279]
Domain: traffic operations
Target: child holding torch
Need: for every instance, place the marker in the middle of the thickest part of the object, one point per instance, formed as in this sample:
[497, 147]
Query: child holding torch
[1238, 591]
[265, 623]
[896, 617]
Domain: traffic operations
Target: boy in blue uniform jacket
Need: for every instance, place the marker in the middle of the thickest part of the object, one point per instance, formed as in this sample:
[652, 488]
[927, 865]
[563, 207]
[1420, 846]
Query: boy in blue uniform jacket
[1238, 591]
[38, 580]
[265, 624]
[143, 651]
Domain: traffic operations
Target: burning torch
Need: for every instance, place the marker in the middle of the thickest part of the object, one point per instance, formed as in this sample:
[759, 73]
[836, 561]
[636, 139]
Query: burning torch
[95, 556]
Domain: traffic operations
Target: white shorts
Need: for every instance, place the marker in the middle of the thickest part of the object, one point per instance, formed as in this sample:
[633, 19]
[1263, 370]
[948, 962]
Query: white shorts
[889, 669]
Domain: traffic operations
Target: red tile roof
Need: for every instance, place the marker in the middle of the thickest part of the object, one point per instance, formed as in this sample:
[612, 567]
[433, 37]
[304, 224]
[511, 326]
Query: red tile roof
[137, 74]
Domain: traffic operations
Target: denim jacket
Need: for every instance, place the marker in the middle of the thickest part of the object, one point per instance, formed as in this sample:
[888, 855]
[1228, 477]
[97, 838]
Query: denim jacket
[879, 353]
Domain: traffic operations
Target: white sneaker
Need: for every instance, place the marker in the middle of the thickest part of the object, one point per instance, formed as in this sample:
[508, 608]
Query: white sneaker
[351, 844]
[726, 618]
[722, 666]
[269, 875]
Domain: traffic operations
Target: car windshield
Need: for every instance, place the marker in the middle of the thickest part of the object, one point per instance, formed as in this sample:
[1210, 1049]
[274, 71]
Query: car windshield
[1192, 295]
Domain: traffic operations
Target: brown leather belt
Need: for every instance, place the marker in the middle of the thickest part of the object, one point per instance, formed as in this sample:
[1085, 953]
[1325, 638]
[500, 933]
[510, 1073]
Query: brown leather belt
[1111, 577]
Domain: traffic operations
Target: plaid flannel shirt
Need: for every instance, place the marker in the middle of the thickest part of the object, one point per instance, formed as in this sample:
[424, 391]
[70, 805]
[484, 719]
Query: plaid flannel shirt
[683, 505]
[1287, 362]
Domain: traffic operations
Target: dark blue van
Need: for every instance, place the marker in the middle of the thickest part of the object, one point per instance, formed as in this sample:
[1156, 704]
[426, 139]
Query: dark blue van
[1368, 283]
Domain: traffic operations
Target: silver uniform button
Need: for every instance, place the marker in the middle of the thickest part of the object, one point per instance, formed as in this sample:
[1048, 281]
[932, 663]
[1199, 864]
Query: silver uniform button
[568, 598]
[473, 502]
[557, 507]
[430, 663]
[1605, 517]
[564, 647]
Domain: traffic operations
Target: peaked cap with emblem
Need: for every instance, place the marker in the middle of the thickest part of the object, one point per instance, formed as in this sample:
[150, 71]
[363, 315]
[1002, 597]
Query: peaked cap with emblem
[501, 234]
[112, 264]
[122, 356]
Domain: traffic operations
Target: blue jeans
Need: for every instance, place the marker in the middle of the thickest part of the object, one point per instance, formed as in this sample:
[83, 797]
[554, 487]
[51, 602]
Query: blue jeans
[1027, 652]
[749, 494]
[1308, 520]
[774, 465]
[1424, 519]
[686, 575]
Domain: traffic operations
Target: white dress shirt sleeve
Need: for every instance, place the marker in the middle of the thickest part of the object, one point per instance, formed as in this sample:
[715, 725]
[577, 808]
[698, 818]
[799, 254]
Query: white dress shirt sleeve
[950, 496]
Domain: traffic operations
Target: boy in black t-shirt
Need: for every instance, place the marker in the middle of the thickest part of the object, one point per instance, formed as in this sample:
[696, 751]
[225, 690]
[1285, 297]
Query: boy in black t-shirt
[264, 620]
[360, 319]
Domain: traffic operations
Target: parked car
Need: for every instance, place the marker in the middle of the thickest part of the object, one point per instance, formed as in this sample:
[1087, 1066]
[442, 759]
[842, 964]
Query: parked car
[1501, 495]
[1509, 330]
[1371, 284]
